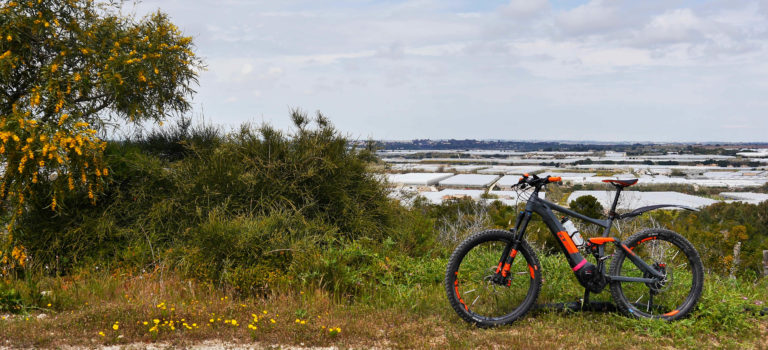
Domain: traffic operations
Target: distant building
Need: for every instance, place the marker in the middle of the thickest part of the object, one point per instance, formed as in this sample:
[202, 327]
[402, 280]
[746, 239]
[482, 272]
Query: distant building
[746, 197]
[469, 181]
[417, 179]
[631, 200]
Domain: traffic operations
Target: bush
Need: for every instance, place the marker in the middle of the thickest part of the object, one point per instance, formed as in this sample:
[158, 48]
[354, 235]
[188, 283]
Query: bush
[232, 208]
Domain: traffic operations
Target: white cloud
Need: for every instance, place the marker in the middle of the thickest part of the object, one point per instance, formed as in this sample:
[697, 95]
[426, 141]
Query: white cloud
[679, 25]
[525, 9]
[274, 71]
[423, 68]
[594, 17]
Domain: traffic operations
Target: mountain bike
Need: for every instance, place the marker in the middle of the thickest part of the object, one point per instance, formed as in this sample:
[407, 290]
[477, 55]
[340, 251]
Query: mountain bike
[494, 277]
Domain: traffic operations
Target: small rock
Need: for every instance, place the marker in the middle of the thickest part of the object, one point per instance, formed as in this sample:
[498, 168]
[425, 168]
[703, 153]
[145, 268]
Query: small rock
[41, 316]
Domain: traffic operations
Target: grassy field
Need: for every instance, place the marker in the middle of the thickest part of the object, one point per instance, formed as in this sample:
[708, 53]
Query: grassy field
[98, 309]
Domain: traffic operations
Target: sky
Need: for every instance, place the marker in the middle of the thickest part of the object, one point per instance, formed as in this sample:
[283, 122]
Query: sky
[601, 70]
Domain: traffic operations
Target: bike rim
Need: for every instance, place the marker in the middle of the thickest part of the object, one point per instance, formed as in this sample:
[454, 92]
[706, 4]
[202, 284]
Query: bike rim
[667, 297]
[483, 298]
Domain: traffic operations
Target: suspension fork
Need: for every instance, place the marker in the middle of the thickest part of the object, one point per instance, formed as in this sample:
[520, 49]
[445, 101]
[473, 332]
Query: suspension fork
[510, 251]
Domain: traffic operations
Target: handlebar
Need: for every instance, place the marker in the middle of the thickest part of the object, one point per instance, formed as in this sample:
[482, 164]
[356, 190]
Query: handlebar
[535, 181]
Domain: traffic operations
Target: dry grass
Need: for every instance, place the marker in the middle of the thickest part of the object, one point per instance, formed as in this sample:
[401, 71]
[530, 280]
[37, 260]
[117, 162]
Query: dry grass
[81, 309]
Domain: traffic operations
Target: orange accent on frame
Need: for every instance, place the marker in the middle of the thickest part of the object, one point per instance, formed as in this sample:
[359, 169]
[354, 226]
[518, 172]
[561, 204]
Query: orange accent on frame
[505, 270]
[601, 240]
[498, 268]
[648, 239]
[555, 179]
[672, 313]
[530, 269]
[628, 249]
[513, 253]
[567, 242]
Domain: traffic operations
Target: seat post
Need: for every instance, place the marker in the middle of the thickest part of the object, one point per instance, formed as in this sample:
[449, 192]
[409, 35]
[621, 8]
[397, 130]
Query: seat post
[612, 213]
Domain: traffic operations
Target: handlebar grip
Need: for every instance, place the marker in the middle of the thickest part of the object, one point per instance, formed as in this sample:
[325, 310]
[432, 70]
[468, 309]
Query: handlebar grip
[555, 179]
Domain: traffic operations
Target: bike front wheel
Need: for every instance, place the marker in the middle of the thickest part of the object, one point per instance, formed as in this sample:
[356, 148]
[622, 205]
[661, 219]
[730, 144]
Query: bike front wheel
[474, 293]
[672, 297]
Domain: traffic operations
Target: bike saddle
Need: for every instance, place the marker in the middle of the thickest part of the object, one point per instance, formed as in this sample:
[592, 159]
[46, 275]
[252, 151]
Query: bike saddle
[622, 183]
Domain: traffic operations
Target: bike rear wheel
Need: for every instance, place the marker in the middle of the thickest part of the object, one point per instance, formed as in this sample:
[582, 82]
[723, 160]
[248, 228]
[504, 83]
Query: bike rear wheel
[671, 254]
[475, 296]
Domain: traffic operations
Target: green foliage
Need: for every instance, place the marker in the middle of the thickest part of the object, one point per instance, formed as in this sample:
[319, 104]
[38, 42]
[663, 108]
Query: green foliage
[257, 202]
[588, 206]
[716, 229]
[10, 300]
[67, 70]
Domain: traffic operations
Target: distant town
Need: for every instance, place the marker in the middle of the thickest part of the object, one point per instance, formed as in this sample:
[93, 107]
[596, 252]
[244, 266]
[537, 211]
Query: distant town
[694, 175]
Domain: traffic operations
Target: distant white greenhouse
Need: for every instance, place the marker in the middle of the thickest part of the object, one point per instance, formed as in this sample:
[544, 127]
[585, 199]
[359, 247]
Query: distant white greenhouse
[510, 169]
[417, 179]
[469, 180]
[747, 197]
[418, 167]
[465, 168]
[631, 200]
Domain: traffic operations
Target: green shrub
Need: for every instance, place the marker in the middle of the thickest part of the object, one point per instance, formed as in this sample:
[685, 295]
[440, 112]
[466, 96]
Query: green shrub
[220, 205]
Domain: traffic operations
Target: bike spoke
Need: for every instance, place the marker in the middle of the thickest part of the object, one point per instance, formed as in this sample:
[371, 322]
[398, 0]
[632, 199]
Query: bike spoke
[477, 284]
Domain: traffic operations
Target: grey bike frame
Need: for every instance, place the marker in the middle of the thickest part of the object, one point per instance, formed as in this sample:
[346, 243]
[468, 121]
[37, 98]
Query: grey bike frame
[545, 209]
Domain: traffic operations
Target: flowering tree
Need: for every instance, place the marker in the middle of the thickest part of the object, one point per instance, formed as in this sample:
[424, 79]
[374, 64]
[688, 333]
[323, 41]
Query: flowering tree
[67, 69]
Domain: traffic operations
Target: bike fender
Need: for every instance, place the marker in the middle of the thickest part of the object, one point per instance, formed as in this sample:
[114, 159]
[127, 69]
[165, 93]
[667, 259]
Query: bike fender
[642, 210]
